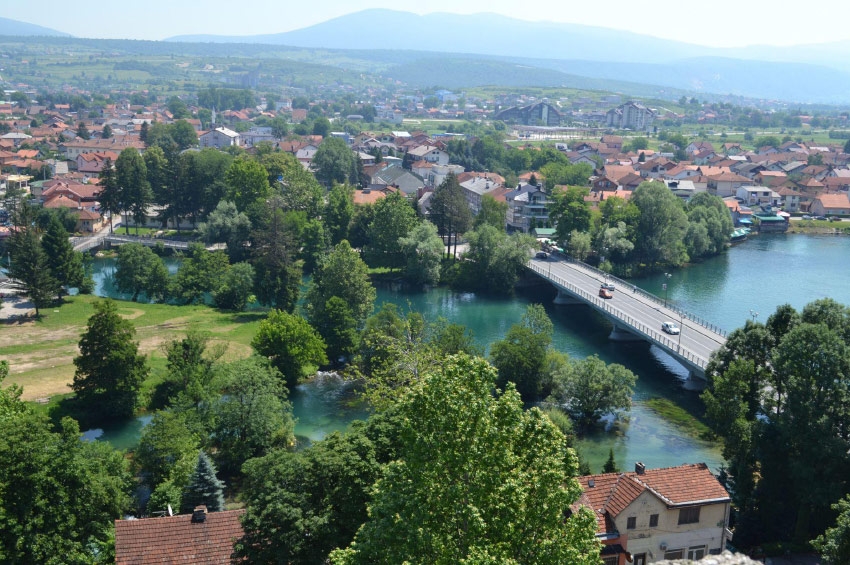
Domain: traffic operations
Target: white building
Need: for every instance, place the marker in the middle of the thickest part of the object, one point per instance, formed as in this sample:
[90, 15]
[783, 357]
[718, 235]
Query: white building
[220, 138]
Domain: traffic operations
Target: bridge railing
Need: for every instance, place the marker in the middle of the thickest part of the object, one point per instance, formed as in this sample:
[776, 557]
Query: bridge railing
[673, 345]
[648, 295]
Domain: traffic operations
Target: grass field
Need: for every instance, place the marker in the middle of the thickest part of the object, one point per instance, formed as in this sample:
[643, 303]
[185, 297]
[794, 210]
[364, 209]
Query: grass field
[41, 352]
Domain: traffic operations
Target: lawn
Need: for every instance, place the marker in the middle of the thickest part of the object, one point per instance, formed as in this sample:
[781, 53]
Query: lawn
[41, 352]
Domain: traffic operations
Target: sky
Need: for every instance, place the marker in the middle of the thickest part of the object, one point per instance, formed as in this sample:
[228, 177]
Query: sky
[746, 22]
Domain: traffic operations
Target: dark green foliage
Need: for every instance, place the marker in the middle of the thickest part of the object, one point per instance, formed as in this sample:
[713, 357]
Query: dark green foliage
[834, 544]
[59, 495]
[200, 273]
[590, 388]
[204, 488]
[341, 273]
[492, 212]
[521, 356]
[110, 371]
[277, 279]
[138, 269]
[335, 162]
[610, 465]
[235, 287]
[291, 344]
[338, 328]
[252, 416]
[339, 212]
[227, 225]
[495, 259]
[393, 219]
[661, 227]
[709, 225]
[133, 189]
[65, 264]
[164, 443]
[30, 263]
[449, 211]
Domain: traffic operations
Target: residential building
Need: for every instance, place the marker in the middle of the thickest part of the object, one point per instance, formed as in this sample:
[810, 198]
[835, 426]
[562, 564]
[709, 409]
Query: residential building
[630, 115]
[527, 208]
[429, 153]
[758, 196]
[475, 188]
[831, 205]
[73, 148]
[199, 537]
[650, 515]
[220, 138]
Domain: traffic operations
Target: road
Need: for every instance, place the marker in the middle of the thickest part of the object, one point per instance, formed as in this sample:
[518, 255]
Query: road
[636, 311]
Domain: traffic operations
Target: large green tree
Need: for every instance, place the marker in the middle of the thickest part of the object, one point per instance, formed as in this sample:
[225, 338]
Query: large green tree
[277, 279]
[138, 269]
[291, 344]
[520, 357]
[66, 265]
[423, 248]
[492, 212]
[590, 388]
[247, 182]
[449, 211]
[200, 273]
[109, 369]
[495, 259]
[204, 488]
[570, 211]
[834, 544]
[709, 225]
[661, 228]
[477, 479]
[298, 189]
[134, 190]
[393, 219]
[341, 273]
[30, 264]
[335, 162]
[339, 212]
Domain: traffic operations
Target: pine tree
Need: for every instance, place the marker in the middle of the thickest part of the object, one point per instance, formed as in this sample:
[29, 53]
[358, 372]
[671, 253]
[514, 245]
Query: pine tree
[109, 190]
[610, 465]
[106, 133]
[66, 265]
[204, 488]
[29, 261]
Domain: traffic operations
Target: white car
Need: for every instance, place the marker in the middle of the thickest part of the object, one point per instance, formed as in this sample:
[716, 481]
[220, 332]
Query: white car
[671, 328]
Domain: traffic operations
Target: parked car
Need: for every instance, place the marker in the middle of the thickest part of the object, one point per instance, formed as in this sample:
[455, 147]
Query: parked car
[605, 293]
[834, 219]
[820, 217]
[807, 217]
[609, 286]
[670, 328]
[542, 255]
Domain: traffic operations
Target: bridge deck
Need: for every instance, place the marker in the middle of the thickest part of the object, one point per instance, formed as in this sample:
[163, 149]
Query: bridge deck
[636, 311]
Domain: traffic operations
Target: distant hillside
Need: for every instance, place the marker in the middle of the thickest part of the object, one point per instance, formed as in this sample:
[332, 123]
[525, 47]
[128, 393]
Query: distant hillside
[16, 28]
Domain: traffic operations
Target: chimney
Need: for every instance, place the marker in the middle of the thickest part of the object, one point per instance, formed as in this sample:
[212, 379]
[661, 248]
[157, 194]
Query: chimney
[591, 483]
[640, 468]
[199, 515]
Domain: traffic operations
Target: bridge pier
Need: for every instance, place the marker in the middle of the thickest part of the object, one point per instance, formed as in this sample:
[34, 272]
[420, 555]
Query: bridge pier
[566, 298]
[620, 333]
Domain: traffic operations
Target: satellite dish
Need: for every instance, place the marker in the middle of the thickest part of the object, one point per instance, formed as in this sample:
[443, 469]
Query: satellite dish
[170, 511]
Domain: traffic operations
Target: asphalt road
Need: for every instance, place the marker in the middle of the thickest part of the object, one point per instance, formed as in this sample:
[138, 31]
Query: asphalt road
[635, 310]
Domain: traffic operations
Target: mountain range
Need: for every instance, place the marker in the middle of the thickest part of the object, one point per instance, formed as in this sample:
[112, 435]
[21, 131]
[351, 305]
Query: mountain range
[498, 50]
[18, 28]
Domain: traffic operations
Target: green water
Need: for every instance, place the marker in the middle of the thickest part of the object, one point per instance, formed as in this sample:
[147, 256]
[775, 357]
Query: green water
[757, 275]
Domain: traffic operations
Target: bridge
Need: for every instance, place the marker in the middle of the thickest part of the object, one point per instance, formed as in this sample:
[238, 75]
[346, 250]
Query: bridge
[92, 242]
[635, 313]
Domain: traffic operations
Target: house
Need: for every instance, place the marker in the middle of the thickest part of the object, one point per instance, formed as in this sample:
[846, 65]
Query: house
[219, 138]
[651, 515]
[73, 148]
[95, 161]
[475, 188]
[527, 208]
[789, 199]
[541, 113]
[429, 153]
[398, 177]
[725, 184]
[372, 195]
[831, 205]
[757, 196]
[199, 537]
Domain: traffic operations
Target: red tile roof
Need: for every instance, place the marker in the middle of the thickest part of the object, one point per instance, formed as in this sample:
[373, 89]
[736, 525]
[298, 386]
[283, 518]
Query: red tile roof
[176, 539]
[612, 493]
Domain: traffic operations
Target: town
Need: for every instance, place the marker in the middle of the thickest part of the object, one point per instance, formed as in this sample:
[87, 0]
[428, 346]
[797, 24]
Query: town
[247, 231]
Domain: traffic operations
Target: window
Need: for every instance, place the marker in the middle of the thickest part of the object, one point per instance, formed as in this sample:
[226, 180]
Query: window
[611, 560]
[631, 523]
[653, 520]
[674, 554]
[695, 553]
[689, 515]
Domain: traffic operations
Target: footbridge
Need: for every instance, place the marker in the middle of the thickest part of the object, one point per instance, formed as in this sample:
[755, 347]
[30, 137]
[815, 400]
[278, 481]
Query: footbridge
[635, 314]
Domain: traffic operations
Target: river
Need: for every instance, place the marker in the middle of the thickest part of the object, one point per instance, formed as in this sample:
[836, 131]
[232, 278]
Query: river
[747, 282]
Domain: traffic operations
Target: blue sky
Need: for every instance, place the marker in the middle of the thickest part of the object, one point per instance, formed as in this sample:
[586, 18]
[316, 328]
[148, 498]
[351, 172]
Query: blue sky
[746, 22]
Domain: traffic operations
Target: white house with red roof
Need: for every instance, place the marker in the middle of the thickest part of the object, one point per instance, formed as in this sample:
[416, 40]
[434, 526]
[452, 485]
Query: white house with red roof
[651, 515]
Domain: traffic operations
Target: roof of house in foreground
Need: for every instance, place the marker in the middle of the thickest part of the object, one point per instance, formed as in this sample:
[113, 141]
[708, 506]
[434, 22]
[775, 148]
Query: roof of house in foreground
[178, 539]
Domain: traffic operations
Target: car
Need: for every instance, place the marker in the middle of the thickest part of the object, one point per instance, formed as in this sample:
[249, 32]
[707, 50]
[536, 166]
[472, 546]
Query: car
[670, 328]
[541, 255]
[608, 286]
[806, 217]
[820, 217]
[605, 293]
[834, 219]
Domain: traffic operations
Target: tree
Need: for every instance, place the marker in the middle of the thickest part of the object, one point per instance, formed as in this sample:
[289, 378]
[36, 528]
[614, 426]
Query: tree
[134, 191]
[30, 265]
[83, 131]
[297, 188]
[339, 211]
[227, 225]
[338, 328]
[277, 279]
[520, 357]
[424, 250]
[165, 444]
[178, 108]
[106, 132]
[109, 195]
[189, 362]
[579, 245]
[661, 227]
[569, 211]
[590, 388]
[335, 162]
[341, 273]
[495, 259]
[199, 274]
[492, 212]
[138, 269]
[708, 215]
[477, 479]
[204, 488]
[247, 182]
[302, 505]
[183, 134]
[291, 344]
[43, 472]
[449, 211]
[160, 178]
[834, 544]
[66, 265]
[610, 464]
[253, 416]
[110, 371]
[234, 288]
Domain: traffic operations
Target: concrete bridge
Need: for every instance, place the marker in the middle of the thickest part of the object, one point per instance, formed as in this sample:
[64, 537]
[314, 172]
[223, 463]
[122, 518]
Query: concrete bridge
[635, 314]
[88, 243]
